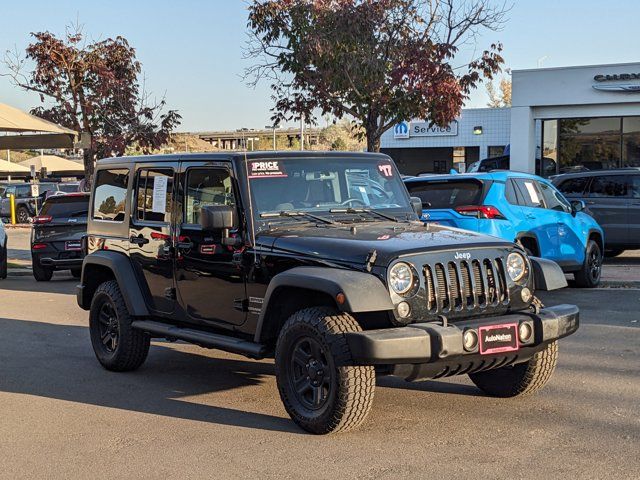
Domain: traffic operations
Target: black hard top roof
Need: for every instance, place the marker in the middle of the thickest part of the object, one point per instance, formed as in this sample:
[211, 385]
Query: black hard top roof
[236, 156]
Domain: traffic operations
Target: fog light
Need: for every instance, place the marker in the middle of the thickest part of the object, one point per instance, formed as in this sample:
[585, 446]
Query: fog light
[526, 295]
[470, 340]
[403, 309]
[524, 332]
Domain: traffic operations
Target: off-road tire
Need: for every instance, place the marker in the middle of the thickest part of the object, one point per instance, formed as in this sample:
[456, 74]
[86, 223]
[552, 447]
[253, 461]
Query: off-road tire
[22, 215]
[521, 379]
[351, 390]
[132, 345]
[586, 277]
[3, 263]
[40, 273]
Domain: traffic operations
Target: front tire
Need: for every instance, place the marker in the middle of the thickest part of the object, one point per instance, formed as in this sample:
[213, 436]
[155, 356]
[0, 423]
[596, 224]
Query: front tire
[319, 389]
[4, 263]
[521, 379]
[117, 345]
[22, 215]
[40, 273]
[589, 275]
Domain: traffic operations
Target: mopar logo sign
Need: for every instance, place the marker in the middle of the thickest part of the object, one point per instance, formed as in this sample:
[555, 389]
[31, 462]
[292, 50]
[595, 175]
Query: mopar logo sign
[401, 130]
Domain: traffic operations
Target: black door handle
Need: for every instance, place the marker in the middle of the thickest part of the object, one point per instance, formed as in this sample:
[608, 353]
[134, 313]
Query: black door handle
[139, 240]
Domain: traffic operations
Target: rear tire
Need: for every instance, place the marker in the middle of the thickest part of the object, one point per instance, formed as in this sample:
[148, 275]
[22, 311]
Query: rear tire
[521, 379]
[589, 275]
[40, 273]
[319, 389]
[118, 346]
[4, 267]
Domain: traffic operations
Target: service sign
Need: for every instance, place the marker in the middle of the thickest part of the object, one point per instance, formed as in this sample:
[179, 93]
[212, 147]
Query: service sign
[426, 129]
[266, 169]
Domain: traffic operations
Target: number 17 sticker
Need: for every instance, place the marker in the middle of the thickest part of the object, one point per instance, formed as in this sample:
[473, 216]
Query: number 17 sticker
[385, 169]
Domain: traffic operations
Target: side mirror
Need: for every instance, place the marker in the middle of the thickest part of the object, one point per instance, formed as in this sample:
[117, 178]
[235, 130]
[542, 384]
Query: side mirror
[416, 203]
[217, 217]
[577, 206]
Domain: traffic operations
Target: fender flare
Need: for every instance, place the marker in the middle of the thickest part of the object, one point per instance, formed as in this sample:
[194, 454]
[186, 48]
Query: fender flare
[547, 274]
[123, 272]
[364, 292]
[599, 233]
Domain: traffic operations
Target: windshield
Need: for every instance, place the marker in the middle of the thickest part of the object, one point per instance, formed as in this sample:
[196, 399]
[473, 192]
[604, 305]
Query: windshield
[325, 184]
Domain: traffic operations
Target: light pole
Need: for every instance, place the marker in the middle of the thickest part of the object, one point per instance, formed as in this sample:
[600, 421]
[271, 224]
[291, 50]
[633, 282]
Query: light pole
[274, 128]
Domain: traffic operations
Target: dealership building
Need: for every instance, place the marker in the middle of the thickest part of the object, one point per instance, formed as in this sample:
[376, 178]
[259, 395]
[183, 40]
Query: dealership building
[571, 118]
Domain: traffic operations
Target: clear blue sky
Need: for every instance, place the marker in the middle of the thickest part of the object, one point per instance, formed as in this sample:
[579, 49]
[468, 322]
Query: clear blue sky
[192, 50]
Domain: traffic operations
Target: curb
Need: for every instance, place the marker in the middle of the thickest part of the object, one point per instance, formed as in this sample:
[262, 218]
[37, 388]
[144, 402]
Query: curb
[20, 226]
[19, 272]
[619, 284]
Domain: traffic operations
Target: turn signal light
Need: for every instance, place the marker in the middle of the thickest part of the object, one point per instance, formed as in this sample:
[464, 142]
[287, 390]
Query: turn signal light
[481, 211]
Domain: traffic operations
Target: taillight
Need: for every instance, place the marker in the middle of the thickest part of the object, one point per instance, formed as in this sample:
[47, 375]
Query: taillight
[481, 211]
[39, 219]
[38, 246]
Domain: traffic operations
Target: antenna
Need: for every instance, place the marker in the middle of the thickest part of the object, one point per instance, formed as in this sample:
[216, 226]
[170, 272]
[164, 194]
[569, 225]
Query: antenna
[252, 219]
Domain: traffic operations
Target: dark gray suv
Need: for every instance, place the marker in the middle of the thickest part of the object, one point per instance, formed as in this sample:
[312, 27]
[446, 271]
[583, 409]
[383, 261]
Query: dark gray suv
[613, 197]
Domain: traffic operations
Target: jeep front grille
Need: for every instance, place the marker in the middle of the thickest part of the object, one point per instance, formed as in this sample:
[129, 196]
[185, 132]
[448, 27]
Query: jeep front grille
[470, 284]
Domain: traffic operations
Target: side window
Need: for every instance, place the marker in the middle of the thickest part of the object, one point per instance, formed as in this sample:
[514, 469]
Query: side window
[609, 186]
[154, 195]
[23, 191]
[529, 194]
[206, 186]
[511, 194]
[574, 186]
[110, 193]
[553, 199]
[635, 186]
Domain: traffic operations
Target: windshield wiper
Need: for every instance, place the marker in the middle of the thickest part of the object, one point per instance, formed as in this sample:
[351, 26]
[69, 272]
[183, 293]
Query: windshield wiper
[285, 213]
[364, 210]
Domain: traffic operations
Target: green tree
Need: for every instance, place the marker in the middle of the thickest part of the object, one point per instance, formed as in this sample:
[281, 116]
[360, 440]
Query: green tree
[376, 61]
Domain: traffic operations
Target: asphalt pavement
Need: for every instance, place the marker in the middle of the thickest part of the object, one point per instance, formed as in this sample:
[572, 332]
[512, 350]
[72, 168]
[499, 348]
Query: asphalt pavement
[195, 413]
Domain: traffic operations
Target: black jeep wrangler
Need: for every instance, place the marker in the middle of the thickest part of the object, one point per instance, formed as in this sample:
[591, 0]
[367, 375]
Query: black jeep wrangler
[316, 259]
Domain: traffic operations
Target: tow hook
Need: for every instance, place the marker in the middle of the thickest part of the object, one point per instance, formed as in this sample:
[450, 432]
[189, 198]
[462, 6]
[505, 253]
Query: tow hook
[536, 305]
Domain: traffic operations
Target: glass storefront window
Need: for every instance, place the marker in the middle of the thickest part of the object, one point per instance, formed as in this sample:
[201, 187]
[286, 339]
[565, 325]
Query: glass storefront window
[589, 143]
[549, 149]
[631, 142]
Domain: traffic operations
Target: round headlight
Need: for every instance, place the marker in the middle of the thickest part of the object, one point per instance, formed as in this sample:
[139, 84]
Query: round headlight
[516, 266]
[401, 278]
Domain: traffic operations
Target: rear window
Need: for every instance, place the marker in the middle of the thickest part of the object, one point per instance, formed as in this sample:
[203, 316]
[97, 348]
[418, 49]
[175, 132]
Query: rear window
[66, 206]
[109, 195]
[449, 194]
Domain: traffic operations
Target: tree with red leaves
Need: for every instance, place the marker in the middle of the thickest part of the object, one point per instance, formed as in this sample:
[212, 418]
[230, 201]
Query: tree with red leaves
[377, 61]
[93, 88]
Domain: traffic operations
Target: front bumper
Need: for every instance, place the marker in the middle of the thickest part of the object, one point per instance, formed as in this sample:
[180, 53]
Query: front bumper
[431, 350]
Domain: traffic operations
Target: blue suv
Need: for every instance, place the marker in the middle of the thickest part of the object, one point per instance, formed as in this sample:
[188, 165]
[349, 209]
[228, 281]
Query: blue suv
[518, 207]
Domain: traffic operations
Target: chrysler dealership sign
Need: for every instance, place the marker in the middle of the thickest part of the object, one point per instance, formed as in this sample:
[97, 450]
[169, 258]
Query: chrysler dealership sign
[424, 129]
[617, 87]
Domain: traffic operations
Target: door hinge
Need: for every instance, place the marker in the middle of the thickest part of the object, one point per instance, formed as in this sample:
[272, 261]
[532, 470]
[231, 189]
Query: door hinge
[170, 293]
[241, 304]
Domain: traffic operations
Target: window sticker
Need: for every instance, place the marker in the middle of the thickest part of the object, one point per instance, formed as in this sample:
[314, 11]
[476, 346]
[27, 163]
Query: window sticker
[533, 194]
[159, 194]
[385, 169]
[270, 168]
[365, 196]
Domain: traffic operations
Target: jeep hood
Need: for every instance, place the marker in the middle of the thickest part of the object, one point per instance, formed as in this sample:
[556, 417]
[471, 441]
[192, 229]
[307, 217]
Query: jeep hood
[352, 243]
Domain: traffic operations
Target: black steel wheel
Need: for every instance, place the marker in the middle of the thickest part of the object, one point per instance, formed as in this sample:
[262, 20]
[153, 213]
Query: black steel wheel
[311, 373]
[117, 345]
[320, 388]
[589, 275]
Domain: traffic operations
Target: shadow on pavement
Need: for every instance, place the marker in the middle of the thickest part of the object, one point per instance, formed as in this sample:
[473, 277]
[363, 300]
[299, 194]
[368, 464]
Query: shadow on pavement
[62, 282]
[56, 361]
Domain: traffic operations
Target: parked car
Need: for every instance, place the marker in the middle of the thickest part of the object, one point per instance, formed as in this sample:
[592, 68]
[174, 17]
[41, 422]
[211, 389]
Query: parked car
[517, 207]
[25, 202]
[57, 234]
[3, 252]
[613, 198]
[503, 162]
[315, 259]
